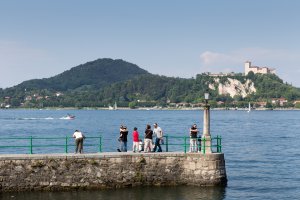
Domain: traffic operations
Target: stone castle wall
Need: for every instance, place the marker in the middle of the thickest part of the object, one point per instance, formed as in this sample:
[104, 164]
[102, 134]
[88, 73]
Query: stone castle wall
[109, 170]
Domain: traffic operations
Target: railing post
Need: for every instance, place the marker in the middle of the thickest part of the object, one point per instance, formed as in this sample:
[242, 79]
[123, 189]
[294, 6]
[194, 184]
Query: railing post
[220, 143]
[167, 143]
[31, 145]
[204, 145]
[66, 146]
[184, 144]
[100, 144]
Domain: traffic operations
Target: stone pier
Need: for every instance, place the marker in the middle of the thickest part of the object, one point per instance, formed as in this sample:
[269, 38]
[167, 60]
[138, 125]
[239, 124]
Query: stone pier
[51, 172]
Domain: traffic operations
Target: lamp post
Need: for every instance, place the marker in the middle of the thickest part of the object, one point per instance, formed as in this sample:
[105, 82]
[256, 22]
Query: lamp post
[206, 137]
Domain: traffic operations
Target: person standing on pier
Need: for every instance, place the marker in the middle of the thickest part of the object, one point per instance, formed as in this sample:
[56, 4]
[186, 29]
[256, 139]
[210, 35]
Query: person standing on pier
[193, 138]
[159, 137]
[148, 138]
[79, 137]
[123, 138]
[136, 142]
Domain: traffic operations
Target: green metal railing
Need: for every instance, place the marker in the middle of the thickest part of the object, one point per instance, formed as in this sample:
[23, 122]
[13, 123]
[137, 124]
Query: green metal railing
[216, 143]
[35, 142]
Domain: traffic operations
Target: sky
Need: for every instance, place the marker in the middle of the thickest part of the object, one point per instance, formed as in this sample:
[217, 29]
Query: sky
[42, 38]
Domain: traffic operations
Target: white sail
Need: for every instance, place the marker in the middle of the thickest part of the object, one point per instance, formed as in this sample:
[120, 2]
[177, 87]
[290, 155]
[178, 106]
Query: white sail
[113, 107]
[249, 108]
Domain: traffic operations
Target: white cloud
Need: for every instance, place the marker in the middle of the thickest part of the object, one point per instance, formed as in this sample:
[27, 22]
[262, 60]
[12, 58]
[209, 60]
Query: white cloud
[209, 58]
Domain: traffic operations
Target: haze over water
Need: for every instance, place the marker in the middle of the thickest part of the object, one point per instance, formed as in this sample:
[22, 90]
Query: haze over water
[261, 149]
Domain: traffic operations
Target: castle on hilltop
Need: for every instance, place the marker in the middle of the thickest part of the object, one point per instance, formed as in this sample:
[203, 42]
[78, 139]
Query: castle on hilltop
[255, 69]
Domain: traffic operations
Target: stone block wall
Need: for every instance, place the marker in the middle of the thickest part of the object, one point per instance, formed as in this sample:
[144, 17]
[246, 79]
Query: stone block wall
[109, 170]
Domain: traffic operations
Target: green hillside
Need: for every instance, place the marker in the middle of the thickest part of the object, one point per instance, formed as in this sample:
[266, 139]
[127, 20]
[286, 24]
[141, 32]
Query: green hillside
[104, 81]
[95, 74]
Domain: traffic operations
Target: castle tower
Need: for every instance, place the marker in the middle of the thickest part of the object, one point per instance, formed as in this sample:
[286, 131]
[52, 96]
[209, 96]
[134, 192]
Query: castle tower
[247, 67]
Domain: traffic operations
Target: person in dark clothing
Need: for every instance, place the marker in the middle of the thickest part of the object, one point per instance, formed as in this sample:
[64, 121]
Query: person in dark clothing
[123, 139]
[193, 138]
[148, 138]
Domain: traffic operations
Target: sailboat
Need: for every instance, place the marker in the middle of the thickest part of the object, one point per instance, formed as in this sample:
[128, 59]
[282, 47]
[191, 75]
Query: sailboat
[113, 107]
[249, 108]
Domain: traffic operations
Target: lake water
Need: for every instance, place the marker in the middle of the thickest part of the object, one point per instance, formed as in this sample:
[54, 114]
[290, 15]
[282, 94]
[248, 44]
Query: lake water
[261, 149]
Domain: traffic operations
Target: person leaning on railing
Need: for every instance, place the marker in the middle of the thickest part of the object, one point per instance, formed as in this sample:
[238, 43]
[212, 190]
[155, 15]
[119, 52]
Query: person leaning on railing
[193, 138]
[79, 137]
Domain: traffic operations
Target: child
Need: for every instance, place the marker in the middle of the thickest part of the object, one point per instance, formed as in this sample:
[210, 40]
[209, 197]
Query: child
[141, 145]
[135, 136]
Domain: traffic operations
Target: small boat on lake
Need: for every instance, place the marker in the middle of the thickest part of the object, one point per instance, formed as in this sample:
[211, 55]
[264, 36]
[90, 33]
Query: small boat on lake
[69, 117]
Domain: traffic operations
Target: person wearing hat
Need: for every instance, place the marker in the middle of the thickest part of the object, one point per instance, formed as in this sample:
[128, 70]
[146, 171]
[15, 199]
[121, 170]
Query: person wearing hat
[79, 137]
[159, 137]
[123, 138]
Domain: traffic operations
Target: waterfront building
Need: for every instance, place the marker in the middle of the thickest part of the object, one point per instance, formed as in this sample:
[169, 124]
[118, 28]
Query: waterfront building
[281, 101]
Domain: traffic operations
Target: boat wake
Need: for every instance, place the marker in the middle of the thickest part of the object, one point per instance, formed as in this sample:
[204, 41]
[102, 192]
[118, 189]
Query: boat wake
[44, 118]
[35, 118]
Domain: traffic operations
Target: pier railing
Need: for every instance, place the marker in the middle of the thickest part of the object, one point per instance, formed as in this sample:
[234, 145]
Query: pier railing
[39, 144]
[184, 143]
[33, 144]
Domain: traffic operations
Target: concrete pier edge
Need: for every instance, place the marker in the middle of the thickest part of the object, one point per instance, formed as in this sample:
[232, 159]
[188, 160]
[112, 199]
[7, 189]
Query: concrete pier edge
[49, 172]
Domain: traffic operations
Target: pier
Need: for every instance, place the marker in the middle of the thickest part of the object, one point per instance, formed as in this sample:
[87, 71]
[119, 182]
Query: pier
[52, 172]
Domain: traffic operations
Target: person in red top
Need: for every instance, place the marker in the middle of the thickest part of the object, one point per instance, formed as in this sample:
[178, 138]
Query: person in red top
[135, 136]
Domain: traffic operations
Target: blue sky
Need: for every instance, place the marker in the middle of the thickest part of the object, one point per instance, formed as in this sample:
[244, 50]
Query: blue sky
[40, 38]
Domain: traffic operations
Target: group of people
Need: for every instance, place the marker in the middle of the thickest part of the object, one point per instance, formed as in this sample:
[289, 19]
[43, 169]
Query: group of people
[140, 145]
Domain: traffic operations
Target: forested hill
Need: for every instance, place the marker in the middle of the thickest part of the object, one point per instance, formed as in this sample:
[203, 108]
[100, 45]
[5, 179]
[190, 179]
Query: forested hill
[94, 74]
[105, 81]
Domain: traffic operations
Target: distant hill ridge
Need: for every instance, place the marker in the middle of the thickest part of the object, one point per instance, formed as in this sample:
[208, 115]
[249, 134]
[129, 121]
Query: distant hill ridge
[96, 74]
[105, 81]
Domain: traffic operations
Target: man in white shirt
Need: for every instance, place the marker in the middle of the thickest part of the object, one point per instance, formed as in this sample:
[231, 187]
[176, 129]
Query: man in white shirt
[159, 137]
[79, 137]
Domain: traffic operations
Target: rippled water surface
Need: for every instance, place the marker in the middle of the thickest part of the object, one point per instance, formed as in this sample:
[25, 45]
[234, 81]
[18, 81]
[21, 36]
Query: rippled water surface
[261, 149]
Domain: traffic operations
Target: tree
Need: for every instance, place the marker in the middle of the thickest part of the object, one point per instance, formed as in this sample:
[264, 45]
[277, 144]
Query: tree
[132, 105]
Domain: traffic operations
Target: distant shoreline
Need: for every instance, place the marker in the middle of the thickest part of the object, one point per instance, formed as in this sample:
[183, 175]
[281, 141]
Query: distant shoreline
[150, 108]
